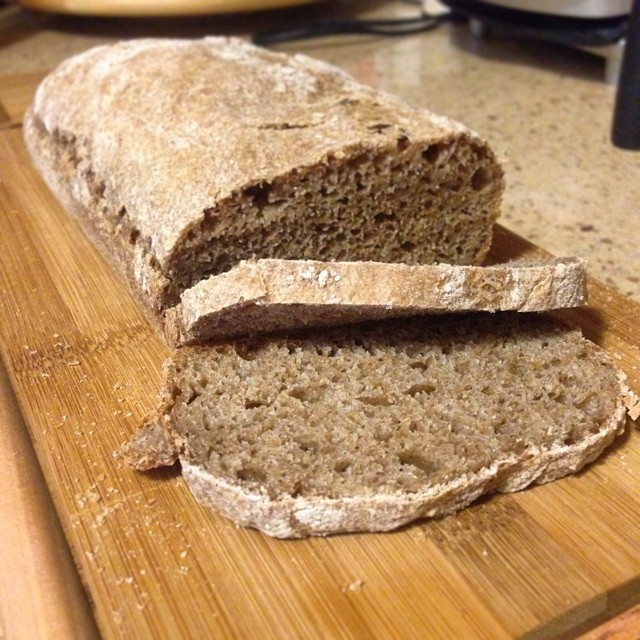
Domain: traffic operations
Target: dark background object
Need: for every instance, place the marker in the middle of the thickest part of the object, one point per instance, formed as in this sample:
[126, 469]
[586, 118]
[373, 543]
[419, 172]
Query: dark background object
[348, 26]
[626, 118]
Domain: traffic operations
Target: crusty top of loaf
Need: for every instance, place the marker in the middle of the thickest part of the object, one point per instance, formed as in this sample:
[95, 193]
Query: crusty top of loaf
[117, 101]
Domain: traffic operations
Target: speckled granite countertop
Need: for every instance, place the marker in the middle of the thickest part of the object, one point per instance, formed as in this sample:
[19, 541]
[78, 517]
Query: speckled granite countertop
[545, 109]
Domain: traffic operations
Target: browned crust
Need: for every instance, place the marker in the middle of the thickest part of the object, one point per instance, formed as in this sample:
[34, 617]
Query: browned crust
[127, 258]
[122, 172]
[268, 295]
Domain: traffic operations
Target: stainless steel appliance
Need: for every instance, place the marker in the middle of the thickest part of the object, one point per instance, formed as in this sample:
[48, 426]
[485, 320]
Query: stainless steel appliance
[586, 9]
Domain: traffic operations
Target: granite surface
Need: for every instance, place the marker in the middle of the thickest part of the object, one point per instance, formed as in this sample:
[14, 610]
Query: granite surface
[545, 109]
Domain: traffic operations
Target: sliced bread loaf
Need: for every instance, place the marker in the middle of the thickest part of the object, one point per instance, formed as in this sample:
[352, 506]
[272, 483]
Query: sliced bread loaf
[368, 428]
[182, 157]
[259, 296]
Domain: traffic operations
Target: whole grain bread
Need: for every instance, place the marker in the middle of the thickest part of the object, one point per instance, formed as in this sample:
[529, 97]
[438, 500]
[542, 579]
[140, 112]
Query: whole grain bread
[181, 158]
[260, 296]
[368, 428]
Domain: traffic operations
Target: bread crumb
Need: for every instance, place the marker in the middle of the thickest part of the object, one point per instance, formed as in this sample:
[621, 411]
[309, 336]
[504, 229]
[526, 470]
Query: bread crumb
[323, 276]
[356, 585]
[90, 497]
[117, 617]
[104, 514]
[632, 403]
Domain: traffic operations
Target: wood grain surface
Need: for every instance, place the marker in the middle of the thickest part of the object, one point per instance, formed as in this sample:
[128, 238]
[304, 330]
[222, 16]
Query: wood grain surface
[16, 94]
[84, 364]
[40, 593]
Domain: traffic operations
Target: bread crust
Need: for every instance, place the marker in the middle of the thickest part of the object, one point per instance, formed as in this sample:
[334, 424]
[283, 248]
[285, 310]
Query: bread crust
[267, 295]
[162, 148]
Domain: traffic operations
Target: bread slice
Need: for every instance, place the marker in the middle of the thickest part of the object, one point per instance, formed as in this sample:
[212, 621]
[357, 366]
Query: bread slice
[181, 158]
[260, 296]
[371, 427]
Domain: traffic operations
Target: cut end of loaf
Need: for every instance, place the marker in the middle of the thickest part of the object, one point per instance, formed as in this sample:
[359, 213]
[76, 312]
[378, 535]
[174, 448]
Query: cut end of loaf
[387, 200]
[388, 423]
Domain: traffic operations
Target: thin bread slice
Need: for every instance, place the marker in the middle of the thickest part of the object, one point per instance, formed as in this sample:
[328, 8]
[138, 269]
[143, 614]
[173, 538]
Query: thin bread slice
[368, 428]
[182, 157]
[260, 296]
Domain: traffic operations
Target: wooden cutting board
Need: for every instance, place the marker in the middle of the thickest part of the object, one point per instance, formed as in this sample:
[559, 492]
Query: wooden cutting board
[85, 365]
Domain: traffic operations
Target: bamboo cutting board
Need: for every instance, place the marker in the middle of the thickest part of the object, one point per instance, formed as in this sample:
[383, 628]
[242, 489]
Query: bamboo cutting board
[85, 366]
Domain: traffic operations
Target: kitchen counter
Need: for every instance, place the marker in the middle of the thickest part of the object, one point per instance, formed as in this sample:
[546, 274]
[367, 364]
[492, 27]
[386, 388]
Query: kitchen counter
[545, 109]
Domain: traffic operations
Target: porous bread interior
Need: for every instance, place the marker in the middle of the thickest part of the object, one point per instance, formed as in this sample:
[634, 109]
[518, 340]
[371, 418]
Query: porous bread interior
[395, 406]
[413, 204]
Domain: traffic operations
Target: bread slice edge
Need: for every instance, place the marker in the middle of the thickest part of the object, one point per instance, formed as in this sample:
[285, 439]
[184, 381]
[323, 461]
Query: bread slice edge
[259, 296]
[300, 517]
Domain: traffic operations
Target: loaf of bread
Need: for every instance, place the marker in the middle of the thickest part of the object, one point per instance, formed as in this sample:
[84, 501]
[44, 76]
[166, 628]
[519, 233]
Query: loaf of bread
[262, 296]
[181, 158]
[240, 190]
[368, 428]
